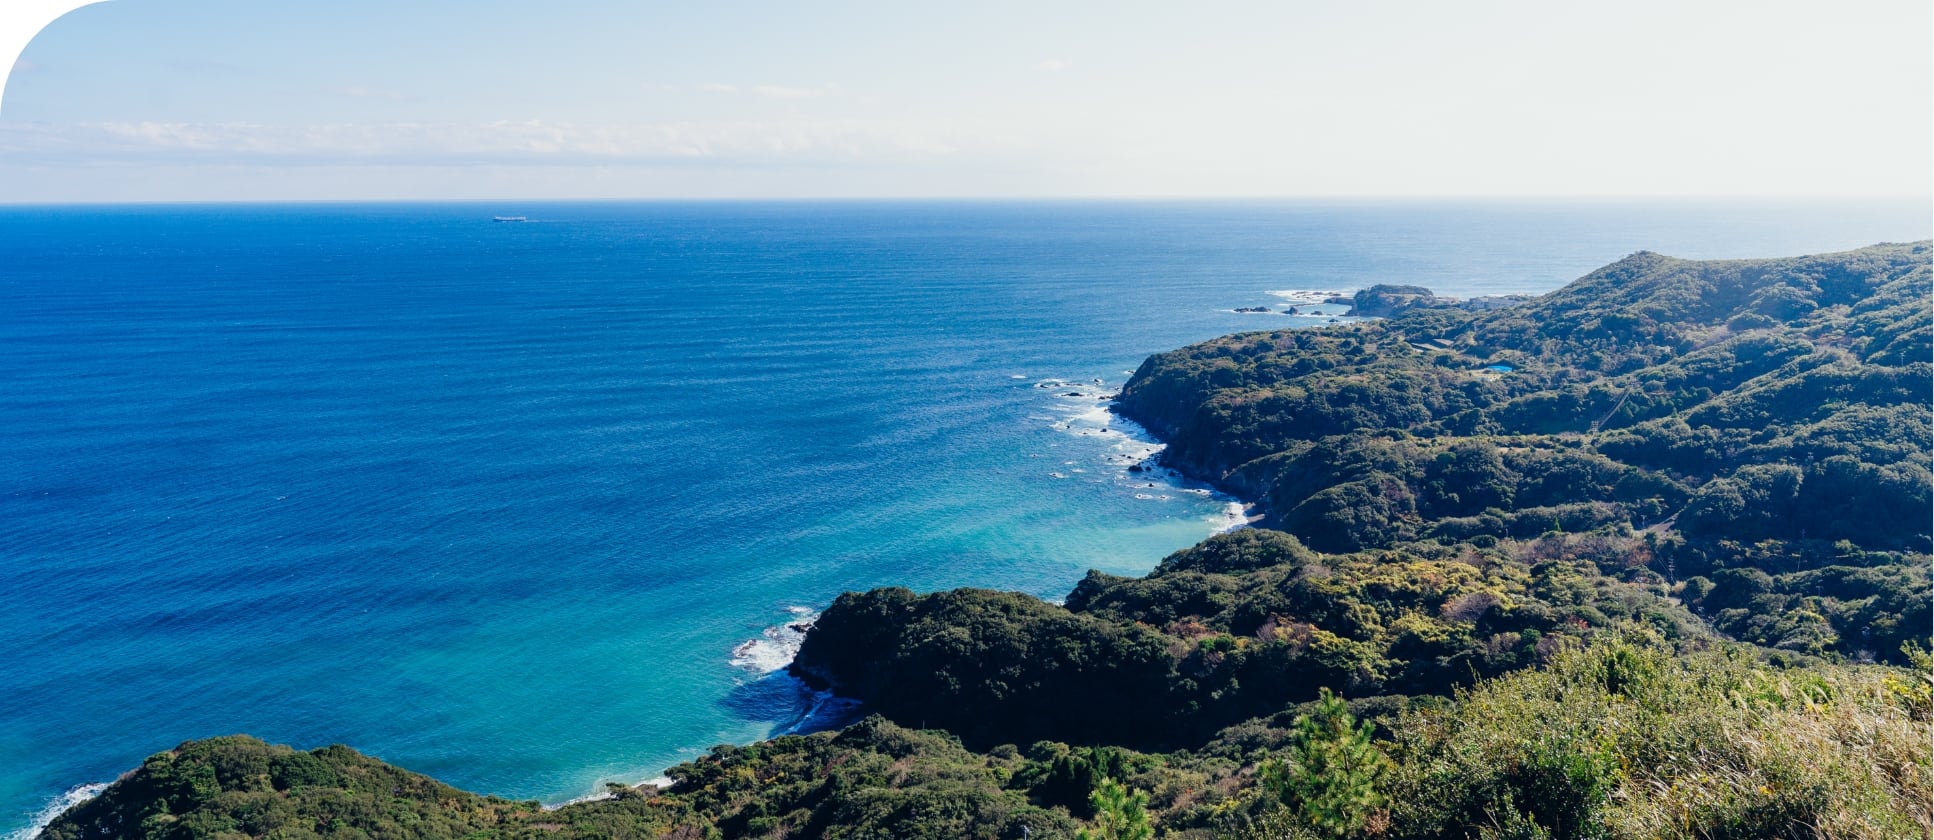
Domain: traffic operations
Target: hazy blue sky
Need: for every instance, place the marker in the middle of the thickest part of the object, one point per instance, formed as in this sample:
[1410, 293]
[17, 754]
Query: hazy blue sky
[246, 99]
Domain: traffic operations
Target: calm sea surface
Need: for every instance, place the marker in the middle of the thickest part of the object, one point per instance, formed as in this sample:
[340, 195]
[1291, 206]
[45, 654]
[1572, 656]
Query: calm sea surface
[506, 503]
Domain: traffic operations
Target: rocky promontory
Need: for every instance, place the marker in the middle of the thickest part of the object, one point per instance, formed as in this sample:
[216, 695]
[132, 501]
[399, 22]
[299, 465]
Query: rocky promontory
[1385, 301]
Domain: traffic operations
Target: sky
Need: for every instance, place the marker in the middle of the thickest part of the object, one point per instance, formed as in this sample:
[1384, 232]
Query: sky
[197, 100]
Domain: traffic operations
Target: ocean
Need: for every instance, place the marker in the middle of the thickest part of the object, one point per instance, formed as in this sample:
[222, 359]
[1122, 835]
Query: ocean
[533, 506]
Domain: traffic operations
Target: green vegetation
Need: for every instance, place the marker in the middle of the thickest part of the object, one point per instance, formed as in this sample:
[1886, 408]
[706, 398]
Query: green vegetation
[1229, 630]
[1331, 771]
[1765, 423]
[873, 780]
[1654, 581]
[1384, 300]
[241, 787]
[1120, 814]
[1621, 738]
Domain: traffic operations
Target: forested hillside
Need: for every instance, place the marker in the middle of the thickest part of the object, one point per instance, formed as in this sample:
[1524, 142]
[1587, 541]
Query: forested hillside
[1764, 424]
[1230, 630]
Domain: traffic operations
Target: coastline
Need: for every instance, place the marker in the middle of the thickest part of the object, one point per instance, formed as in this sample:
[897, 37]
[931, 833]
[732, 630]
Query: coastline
[1095, 413]
[1088, 413]
[771, 654]
[1255, 514]
[1092, 412]
[1245, 511]
[57, 806]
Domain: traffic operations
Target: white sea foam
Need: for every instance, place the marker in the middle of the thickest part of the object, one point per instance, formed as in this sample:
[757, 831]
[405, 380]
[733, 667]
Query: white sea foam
[660, 780]
[593, 797]
[765, 657]
[57, 806]
[776, 645]
[1087, 412]
[772, 652]
[1234, 515]
[1310, 297]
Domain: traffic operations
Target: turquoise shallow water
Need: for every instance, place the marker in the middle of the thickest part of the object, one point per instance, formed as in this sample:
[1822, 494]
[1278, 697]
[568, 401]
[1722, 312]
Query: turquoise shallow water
[503, 503]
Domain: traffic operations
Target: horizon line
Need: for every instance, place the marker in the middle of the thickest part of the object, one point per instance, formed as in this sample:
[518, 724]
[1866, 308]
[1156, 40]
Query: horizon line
[1926, 198]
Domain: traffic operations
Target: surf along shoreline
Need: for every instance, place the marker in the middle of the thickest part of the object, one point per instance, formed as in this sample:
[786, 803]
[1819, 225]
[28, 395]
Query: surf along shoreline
[770, 656]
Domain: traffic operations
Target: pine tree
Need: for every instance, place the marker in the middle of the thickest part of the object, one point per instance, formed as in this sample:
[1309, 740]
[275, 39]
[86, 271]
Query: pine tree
[1120, 814]
[1330, 772]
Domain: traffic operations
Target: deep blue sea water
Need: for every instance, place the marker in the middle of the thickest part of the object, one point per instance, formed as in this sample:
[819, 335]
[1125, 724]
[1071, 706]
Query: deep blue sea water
[503, 503]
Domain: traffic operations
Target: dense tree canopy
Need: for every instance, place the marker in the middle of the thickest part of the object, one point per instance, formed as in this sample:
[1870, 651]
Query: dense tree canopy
[1238, 627]
[1765, 414]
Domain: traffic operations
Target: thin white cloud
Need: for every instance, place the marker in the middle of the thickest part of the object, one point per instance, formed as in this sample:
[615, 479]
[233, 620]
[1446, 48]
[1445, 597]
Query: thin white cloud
[770, 91]
[531, 141]
[24, 66]
[1055, 65]
[783, 92]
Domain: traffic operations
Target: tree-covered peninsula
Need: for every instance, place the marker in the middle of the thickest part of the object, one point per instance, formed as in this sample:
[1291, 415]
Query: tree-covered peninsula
[1644, 557]
[1757, 430]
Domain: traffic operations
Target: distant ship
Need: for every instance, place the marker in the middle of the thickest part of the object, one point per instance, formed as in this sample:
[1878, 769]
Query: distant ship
[509, 219]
